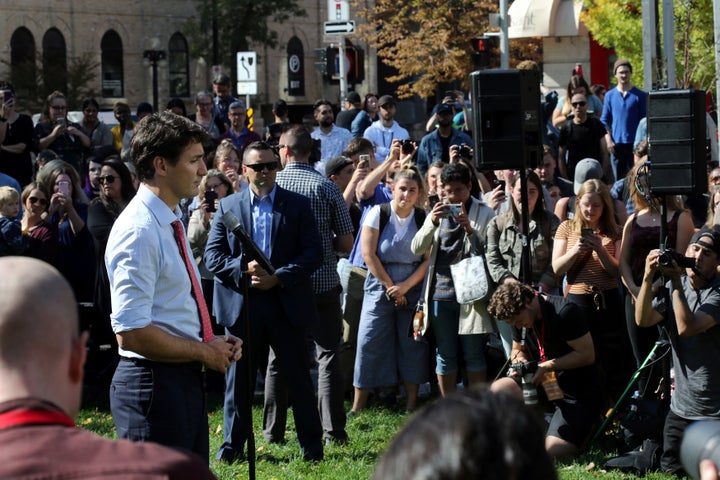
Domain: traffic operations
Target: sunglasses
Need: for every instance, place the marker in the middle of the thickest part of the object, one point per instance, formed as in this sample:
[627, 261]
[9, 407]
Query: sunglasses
[579, 104]
[41, 201]
[107, 179]
[259, 167]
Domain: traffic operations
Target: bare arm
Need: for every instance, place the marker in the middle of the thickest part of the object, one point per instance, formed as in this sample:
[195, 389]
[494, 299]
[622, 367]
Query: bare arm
[562, 162]
[582, 354]
[344, 243]
[645, 314]
[156, 344]
[625, 258]
[368, 243]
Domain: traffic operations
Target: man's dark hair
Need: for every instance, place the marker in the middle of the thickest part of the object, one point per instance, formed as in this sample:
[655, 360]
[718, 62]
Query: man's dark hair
[143, 107]
[260, 146]
[455, 172]
[280, 107]
[163, 135]
[359, 145]
[221, 79]
[509, 299]
[470, 434]
[298, 140]
[320, 103]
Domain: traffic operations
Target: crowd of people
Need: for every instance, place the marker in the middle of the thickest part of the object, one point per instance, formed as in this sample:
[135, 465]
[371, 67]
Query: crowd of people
[349, 232]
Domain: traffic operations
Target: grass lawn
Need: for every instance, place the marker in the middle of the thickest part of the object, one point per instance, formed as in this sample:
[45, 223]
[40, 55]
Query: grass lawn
[370, 432]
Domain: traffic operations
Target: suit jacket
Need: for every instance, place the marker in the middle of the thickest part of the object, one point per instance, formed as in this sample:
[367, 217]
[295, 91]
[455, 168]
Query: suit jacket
[296, 254]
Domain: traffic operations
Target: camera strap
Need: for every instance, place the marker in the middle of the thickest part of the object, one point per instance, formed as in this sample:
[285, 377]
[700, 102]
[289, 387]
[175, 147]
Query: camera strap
[540, 339]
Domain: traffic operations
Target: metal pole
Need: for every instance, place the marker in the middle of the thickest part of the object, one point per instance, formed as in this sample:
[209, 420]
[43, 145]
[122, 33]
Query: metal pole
[341, 65]
[668, 7]
[648, 45]
[504, 41]
[155, 85]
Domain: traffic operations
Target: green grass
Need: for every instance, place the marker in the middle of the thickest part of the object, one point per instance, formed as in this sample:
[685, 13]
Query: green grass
[370, 433]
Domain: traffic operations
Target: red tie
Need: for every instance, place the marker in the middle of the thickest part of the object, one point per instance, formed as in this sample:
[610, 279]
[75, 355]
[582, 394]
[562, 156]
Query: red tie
[207, 332]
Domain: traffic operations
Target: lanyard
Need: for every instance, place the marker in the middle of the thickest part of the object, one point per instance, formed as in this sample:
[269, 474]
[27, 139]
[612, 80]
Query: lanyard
[540, 343]
[27, 416]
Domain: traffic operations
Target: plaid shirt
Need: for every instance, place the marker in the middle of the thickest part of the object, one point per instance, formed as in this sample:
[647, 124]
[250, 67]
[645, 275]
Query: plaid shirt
[331, 214]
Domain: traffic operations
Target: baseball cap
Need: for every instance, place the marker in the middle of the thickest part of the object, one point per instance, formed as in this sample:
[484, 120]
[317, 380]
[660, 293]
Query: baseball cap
[586, 169]
[709, 239]
[353, 97]
[385, 99]
[444, 108]
[335, 164]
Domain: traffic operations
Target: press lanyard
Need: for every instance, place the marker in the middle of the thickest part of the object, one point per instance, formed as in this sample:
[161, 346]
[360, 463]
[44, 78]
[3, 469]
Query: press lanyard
[540, 344]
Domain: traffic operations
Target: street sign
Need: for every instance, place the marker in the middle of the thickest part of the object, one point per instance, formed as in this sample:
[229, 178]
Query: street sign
[247, 88]
[344, 28]
[246, 66]
[338, 10]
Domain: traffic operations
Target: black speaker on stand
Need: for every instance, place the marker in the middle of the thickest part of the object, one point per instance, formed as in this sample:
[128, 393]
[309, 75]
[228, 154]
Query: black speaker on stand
[507, 123]
[676, 142]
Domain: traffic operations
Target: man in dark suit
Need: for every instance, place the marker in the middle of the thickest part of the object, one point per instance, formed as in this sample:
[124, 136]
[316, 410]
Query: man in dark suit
[279, 306]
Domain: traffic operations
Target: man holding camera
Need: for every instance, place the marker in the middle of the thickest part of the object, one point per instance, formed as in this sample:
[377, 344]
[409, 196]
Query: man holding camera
[551, 339]
[694, 303]
[385, 129]
[435, 146]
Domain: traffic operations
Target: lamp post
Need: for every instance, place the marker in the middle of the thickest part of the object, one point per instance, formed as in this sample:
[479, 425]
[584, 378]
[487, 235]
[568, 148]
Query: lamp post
[153, 57]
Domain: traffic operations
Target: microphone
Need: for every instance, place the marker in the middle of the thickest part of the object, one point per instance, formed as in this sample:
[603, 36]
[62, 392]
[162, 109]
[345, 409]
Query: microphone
[251, 248]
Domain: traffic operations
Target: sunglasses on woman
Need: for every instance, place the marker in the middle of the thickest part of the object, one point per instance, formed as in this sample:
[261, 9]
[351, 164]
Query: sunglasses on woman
[107, 179]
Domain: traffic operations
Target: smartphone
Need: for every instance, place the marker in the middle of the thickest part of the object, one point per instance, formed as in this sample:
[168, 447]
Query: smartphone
[364, 161]
[455, 209]
[499, 183]
[210, 197]
[450, 93]
[64, 188]
[60, 121]
[433, 199]
[586, 231]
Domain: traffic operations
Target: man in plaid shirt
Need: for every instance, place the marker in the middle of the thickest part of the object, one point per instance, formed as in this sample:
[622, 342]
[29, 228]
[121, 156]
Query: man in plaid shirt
[335, 226]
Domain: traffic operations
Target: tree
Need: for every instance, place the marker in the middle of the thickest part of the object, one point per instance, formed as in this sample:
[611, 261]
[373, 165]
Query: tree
[240, 23]
[618, 24]
[428, 41]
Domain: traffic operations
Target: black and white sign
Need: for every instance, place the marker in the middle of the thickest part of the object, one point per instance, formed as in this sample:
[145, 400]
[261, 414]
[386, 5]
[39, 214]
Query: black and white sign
[337, 28]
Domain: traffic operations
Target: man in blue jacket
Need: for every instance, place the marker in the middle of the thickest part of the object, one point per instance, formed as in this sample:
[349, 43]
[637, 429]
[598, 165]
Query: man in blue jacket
[435, 146]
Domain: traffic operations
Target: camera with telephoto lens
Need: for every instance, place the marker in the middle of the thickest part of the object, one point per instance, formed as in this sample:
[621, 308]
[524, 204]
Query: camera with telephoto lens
[701, 441]
[465, 151]
[667, 256]
[407, 146]
[529, 390]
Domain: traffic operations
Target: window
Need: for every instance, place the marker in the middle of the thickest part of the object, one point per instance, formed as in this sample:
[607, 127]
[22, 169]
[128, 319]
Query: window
[54, 61]
[23, 73]
[178, 66]
[112, 65]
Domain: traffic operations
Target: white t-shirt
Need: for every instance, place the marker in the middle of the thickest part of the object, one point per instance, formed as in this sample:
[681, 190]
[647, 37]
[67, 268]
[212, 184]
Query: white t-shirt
[372, 220]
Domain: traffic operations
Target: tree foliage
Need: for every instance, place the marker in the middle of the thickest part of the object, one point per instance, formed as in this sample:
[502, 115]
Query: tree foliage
[618, 24]
[428, 41]
[240, 23]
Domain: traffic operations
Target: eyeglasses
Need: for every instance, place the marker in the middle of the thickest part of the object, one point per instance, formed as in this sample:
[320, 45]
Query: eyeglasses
[107, 179]
[205, 104]
[58, 107]
[579, 104]
[41, 201]
[213, 187]
[259, 167]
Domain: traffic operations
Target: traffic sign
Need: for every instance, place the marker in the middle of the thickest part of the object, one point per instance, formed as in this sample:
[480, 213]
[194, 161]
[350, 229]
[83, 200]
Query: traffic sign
[344, 28]
[246, 66]
[338, 10]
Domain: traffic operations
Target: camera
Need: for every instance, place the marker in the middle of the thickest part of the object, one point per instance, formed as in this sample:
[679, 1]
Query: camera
[465, 151]
[667, 256]
[407, 146]
[529, 390]
[700, 442]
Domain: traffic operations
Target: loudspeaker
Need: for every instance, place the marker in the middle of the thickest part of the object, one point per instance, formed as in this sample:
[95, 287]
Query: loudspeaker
[676, 142]
[507, 123]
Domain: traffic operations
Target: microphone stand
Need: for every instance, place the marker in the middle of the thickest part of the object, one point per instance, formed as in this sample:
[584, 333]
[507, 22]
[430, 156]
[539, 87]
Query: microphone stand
[245, 287]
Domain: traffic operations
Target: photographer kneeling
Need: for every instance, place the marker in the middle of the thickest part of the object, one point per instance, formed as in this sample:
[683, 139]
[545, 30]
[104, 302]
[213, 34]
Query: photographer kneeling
[550, 335]
[694, 302]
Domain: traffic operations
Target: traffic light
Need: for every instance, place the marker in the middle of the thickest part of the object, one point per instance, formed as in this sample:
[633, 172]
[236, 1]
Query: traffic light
[354, 64]
[481, 54]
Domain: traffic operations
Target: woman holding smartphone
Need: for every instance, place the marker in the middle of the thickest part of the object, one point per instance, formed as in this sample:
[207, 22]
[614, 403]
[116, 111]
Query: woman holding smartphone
[16, 132]
[68, 211]
[587, 250]
[65, 138]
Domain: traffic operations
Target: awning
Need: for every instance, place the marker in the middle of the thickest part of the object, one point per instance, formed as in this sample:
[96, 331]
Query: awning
[544, 18]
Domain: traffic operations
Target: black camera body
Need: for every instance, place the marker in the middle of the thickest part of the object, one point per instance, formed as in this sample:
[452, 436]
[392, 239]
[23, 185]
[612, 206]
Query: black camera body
[667, 256]
[407, 146]
[465, 151]
[525, 368]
